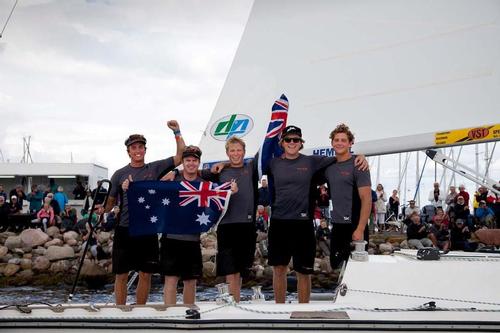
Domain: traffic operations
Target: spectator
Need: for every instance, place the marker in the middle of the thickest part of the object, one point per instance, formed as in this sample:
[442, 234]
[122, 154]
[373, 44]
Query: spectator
[460, 235]
[323, 202]
[451, 198]
[79, 192]
[69, 219]
[462, 192]
[52, 185]
[264, 198]
[380, 207]
[417, 233]
[323, 234]
[461, 209]
[19, 193]
[441, 217]
[439, 233]
[4, 214]
[53, 203]
[412, 208]
[35, 197]
[15, 206]
[261, 219]
[2, 193]
[45, 216]
[394, 203]
[484, 215]
[480, 195]
[111, 219]
[61, 198]
[436, 196]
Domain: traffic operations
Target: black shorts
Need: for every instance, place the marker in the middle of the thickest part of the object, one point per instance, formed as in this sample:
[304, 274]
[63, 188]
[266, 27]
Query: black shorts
[292, 239]
[235, 248]
[180, 258]
[340, 242]
[134, 253]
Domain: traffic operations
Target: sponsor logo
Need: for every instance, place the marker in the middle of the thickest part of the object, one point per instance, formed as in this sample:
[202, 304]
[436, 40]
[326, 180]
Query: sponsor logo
[478, 133]
[233, 125]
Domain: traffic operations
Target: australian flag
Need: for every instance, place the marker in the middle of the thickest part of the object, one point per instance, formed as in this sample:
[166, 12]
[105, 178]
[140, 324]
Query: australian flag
[175, 207]
[270, 147]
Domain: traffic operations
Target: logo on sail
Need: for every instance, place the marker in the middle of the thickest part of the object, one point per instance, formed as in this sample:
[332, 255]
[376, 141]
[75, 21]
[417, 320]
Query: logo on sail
[233, 125]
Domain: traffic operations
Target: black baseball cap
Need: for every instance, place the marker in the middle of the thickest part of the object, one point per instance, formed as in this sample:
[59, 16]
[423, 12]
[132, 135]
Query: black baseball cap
[193, 151]
[135, 138]
[291, 130]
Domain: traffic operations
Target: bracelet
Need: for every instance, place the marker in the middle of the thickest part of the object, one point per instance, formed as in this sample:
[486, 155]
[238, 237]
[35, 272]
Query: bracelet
[177, 132]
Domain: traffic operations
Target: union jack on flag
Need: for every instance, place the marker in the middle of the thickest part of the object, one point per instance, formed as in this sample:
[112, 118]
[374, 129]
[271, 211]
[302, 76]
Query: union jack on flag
[175, 207]
[270, 147]
[204, 194]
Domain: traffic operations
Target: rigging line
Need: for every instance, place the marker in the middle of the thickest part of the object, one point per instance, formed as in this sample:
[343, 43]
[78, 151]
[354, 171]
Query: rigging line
[8, 18]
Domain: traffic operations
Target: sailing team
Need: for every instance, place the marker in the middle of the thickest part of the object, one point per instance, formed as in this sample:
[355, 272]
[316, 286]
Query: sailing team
[293, 176]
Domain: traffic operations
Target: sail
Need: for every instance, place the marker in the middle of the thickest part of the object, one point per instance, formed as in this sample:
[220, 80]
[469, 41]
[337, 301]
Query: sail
[397, 72]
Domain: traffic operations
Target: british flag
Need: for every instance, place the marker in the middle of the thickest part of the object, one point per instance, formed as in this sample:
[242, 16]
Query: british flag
[175, 207]
[204, 194]
[270, 147]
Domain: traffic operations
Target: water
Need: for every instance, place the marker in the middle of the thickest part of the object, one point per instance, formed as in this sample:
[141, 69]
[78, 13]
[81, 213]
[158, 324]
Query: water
[59, 294]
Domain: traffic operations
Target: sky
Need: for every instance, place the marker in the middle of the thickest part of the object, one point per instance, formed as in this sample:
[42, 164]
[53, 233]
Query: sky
[79, 76]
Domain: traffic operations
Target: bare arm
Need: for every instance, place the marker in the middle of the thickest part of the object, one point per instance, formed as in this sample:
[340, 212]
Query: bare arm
[179, 141]
[110, 204]
[365, 195]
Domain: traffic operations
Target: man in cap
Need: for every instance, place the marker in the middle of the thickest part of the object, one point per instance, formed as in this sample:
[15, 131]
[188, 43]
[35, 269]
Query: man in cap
[291, 232]
[137, 253]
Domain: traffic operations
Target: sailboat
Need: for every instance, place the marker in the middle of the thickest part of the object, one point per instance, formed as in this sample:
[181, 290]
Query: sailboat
[405, 75]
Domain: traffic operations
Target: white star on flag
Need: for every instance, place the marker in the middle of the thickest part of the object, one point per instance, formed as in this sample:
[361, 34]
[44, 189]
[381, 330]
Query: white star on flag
[165, 202]
[153, 219]
[147, 207]
[203, 219]
[151, 191]
[141, 200]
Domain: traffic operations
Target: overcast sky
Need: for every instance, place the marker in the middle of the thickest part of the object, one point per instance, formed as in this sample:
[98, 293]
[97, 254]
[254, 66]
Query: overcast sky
[79, 76]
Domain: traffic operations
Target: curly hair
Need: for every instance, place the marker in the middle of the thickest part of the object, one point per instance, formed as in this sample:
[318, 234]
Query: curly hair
[342, 128]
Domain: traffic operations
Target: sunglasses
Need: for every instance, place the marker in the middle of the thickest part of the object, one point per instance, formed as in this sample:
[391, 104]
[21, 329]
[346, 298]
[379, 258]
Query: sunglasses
[294, 140]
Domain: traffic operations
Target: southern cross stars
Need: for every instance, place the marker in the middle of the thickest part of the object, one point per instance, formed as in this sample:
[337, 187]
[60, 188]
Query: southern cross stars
[203, 219]
[141, 200]
[153, 219]
[165, 202]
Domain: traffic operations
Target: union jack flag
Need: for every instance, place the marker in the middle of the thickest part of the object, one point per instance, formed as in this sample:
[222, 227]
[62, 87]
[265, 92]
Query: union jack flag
[175, 207]
[270, 147]
[205, 193]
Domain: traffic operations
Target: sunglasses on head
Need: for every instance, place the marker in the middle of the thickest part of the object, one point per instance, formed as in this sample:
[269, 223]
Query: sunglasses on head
[294, 140]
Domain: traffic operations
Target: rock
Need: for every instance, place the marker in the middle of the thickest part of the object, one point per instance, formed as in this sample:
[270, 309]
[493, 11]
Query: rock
[404, 244]
[18, 251]
[40, 264]
[53, 231]
[26, 264]
[386, 248]
[3, 251]
[317, 262]
[259, 271]
[6, 257]
[268, 272]
[208, 269]
[2, 268]
[60, 266]
[371, 250]
[60, 252]
[25, 274]
[325, 266]
[103, 237]
[39, 251]
[13, 241]
[5, 235]
[54, 242]
[72, 242]
[70, 235]
[208, 241]
[34, 237]
[15, 261]
[27, 256]
[208, 254]
[372, 245]
[261, 236]
[90, 268]
[11, 269]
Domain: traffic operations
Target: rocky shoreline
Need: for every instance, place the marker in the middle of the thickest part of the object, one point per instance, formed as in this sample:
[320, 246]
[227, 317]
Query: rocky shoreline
[34, 257]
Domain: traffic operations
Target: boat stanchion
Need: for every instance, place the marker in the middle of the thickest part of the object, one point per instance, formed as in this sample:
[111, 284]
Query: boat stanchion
[223, 296]
[359, 253]
[258, 296]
